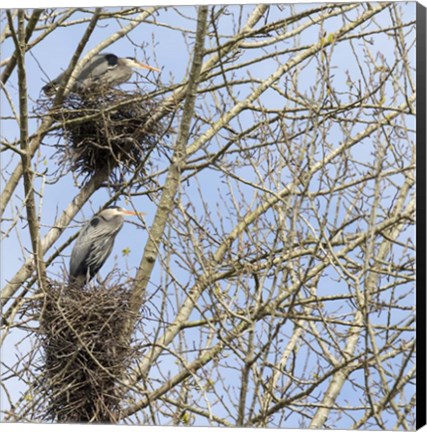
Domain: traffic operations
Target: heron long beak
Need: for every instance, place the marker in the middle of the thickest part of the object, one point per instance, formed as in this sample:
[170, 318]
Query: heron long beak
[132, 213]
[138, 65]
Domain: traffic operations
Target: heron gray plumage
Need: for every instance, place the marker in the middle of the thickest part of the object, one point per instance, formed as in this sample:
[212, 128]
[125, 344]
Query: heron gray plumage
[104, 70]
[95, 243]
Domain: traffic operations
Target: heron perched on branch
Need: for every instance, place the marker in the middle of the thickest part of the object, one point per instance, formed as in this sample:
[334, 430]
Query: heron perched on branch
[103, 70]
[94, 244]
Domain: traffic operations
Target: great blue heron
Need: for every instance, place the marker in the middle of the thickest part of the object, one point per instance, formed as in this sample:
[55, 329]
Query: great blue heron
[103, 70]
[94, 244]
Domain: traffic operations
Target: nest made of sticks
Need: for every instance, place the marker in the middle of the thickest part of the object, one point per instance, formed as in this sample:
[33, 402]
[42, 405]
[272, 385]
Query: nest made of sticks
[85, 353]
[108, 130]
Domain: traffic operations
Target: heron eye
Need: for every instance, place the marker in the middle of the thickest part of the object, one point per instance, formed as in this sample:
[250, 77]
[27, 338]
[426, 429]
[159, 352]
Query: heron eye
[94, 222]
[111, 59]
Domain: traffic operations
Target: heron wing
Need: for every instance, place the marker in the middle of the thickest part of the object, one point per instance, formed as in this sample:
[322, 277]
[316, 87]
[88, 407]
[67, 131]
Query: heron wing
[98, 254]
[96, 68]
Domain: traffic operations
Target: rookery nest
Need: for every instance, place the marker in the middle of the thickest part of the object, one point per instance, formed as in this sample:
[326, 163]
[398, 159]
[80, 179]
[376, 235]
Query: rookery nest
[85, 353]
[111, 130]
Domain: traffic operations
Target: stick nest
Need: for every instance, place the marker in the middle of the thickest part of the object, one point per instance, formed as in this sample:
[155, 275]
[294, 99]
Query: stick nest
[108, 130]
[84, 352]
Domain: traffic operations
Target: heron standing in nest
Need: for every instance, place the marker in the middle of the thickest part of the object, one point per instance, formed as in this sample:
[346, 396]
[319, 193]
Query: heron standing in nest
[95, 243]
[103, 70]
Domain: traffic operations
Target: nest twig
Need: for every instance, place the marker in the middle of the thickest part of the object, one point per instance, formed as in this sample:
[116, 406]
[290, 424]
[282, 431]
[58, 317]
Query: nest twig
[84, 351]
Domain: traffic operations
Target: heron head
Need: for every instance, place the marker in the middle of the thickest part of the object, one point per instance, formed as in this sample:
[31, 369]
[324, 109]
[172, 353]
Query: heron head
[133, 63]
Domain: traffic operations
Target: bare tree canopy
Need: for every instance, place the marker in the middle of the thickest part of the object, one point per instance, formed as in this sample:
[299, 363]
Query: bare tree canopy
[271, 281]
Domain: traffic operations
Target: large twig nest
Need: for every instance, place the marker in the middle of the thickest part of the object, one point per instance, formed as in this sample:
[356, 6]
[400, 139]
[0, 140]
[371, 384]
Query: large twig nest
[85, 353]
[108, 130]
